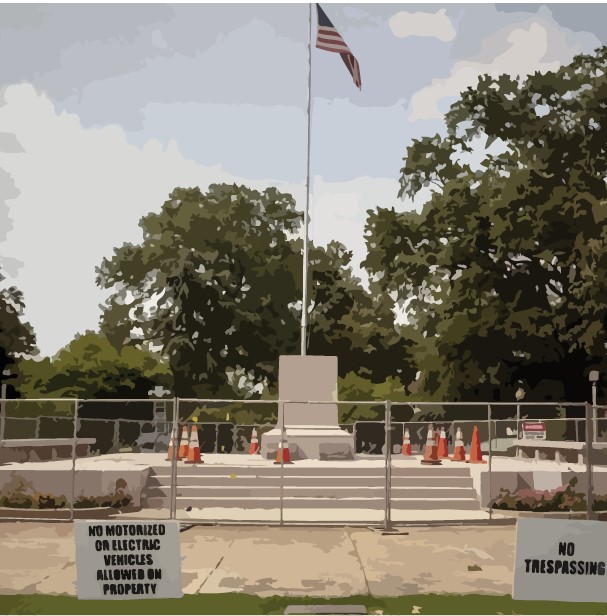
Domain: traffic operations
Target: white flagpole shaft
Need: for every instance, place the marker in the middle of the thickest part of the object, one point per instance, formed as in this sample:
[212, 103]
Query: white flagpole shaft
[304, 302]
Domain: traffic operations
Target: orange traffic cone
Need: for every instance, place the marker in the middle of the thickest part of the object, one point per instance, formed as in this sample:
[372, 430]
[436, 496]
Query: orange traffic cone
[194, 448]
[282, 453]
[183, 444]
[406, 450]
[476, 455]
[431, 453]
[443, 446]
[254, 446]
[171, 445]
[459, 453]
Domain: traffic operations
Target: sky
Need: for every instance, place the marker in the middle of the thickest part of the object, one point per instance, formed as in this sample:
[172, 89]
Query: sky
[105, 108]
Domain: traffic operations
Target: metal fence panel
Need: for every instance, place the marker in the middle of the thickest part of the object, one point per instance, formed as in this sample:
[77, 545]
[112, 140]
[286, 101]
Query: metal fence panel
[382, 487]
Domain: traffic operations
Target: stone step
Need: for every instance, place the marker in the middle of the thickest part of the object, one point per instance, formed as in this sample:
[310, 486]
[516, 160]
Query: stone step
[344, 470]
[334, 492]
[469, 504]
[329, 480]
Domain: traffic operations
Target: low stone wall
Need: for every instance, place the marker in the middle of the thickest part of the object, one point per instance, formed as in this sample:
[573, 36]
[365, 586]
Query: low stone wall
[536, 480]
[48, 478]
[38, 450]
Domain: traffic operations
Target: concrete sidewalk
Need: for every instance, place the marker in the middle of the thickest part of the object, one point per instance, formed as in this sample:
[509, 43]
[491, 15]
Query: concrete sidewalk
[322, 562]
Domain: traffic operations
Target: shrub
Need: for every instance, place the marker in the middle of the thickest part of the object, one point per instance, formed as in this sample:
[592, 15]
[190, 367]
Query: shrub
[20, 494]
[564, 498]
[117, 499]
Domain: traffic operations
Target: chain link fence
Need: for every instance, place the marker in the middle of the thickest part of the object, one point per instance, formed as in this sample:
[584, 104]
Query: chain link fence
[113, 457]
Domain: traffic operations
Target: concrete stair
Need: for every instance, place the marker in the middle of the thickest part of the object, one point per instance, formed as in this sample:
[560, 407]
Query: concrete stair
[352, 487]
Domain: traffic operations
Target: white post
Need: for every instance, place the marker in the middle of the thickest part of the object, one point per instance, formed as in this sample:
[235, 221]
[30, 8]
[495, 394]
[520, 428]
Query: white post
[304, 299]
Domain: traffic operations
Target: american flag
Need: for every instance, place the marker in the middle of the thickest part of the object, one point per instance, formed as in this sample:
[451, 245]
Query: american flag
[329, 39]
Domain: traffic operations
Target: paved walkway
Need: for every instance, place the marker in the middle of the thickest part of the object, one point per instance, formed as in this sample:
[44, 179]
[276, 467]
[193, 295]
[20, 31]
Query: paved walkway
[330, 562]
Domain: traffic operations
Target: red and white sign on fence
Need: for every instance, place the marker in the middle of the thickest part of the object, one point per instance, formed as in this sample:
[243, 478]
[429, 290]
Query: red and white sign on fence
[534, 430]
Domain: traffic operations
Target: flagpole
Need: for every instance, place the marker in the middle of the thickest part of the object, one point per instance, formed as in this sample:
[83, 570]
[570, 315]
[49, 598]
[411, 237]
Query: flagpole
[304, 303]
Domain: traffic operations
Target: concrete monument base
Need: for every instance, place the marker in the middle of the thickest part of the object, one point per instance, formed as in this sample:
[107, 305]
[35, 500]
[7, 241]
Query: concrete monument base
[311, 442]
[312, 430]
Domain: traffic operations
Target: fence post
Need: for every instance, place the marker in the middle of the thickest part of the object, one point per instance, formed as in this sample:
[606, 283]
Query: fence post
[234, 439]
[173, 506]
[490, 435]
[388, 462]
[116, 435]
[281, 418]
[74, 444]
[518, 431]
[590, 514]
[2, 411]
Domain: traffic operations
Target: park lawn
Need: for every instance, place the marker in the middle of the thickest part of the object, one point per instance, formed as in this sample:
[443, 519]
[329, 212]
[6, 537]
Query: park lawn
[238, 603]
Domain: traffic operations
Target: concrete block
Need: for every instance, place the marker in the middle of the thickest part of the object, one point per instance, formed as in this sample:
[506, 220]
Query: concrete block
[336, 450]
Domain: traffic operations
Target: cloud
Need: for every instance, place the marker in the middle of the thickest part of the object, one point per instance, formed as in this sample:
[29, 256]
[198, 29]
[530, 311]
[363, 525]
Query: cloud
[339, 211]
[535, 45]
[435, 25]
[75, 193]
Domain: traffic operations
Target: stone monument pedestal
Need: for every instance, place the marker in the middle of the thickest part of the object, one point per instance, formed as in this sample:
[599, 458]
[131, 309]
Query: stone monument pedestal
[312, 430]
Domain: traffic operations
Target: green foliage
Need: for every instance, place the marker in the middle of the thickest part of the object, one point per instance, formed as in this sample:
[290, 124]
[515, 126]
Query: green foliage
[209, 284]
[503, 273]
[17, 339]
[118, 499]
[355, 387]
[90, 367]
[564, 498]
[216, 284]
[18, 493]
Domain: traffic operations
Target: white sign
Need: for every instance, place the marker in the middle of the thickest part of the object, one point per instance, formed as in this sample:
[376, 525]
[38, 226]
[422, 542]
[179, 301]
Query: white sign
[560, 560]
[128, 560]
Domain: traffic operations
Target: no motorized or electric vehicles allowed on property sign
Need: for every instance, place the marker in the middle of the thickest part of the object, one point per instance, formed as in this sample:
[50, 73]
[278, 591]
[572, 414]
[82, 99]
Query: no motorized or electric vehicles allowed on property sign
[122, 560]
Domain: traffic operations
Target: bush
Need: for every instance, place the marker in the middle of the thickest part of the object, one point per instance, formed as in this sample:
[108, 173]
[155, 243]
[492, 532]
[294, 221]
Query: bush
[562, 499]
[20, 494]
[118, 499]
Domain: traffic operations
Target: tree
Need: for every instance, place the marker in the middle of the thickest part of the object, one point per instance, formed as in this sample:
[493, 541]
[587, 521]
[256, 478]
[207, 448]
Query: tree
[347, 321]
[188, 287]
[216, 285]
[17, 338]
[503, 272]
[90, 367]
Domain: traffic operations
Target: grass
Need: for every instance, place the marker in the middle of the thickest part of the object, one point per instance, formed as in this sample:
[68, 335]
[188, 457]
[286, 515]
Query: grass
[238, 603]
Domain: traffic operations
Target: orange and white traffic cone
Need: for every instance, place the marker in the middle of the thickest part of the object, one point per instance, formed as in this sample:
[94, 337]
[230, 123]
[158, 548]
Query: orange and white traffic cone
[282, 453]
[443, 446]
[431, 453]
[459, 453]
[183, 444]
[254, 446]
[406, 450]
[171, 445]
[476, 455]
[193, 456]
